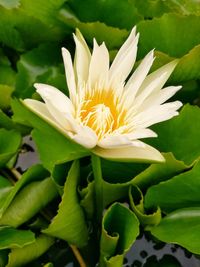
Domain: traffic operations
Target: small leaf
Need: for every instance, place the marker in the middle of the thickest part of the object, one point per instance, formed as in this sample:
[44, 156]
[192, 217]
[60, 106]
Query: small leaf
[21, 256]
[69, 224]
[120, 228]
[10, 142]
[13, 238]
[180, 227]
[137, 205]
[180, 191]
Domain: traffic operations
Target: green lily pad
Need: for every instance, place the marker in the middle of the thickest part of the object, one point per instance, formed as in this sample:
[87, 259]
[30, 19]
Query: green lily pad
[180, 227]
[172, 34]
[180, 191]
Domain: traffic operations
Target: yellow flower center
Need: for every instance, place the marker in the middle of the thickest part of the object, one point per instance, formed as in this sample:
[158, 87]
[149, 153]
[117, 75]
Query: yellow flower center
[102, 112]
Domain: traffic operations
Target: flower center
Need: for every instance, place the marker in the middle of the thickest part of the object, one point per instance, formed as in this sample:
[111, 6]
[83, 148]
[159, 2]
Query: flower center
[102, 113]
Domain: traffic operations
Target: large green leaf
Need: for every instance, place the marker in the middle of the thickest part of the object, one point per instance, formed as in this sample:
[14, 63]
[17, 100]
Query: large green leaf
[21, 256]
[37, 195]
[172, 34]
[179, 192]
[69, 224]
[113, 37]
[180, 135]
[187, 69]
[20, 31]
[46, 11]
[40, 64]
[9, 145]
[8, 192]
[13, 238]
[180, 227]
[150, 9]
[124, 13]
[120, 228]
[53, 147]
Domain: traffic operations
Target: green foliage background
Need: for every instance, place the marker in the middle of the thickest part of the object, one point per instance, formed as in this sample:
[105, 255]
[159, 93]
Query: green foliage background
[52, 205]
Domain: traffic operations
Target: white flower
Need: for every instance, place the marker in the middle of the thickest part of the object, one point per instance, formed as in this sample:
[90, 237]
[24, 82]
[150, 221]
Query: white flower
[105, 112]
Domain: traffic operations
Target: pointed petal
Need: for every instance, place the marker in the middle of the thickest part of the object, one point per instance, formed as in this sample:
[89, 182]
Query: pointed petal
[150, 89]
[57, 103]
[140, 133]
[40, 109]
[167, 69]
[137, 78]
[156, 114]
[99, 64]
[124, 60]
[82, 58]
[69, 72]
[160, 97]
[130, 154]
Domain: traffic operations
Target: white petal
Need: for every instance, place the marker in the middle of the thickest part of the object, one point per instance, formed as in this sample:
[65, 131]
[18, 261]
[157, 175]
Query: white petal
[82, 58]
[137, 78]
[111, 141]
[151, 87]
[141, 133]
[84, 136]
[69, 72]
[41, 110]
[99, 65]
[167, 69]
[130, 154]
[160, 97]
[124, 60]
[156, 114]
[57, 103]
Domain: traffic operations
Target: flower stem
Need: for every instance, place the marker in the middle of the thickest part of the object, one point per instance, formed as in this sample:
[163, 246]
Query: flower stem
[16, 173]
[96, 166]
[78, 256]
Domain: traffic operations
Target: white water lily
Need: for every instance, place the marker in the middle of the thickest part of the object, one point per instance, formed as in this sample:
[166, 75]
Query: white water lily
[105, 112]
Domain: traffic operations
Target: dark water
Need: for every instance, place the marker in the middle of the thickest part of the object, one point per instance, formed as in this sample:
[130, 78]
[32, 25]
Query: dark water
[143, 249]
